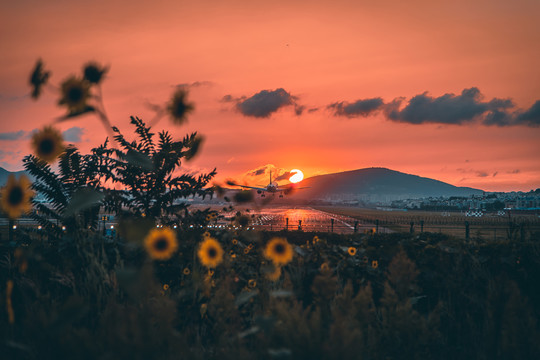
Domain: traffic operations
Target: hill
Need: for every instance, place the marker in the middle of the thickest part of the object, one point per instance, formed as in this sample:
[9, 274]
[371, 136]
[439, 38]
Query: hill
[376, 184]
[4, 174]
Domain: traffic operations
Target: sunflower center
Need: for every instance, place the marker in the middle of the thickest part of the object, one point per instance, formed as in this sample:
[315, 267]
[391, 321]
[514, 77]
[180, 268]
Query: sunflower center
[46, 146]
[179, 108]
[212, 253]
[75, 94]
[161, 244]
[279, 249]
[16, 196]
[92, 74]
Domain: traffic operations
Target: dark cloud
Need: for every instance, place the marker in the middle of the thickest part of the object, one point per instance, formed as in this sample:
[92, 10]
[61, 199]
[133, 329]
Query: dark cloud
[196, 84]
[516, 171]
[467, 107]
[364, 107]
[264, 103]
[299, 109]
[73, 134]
[477, 173]
[530, 117]
[15, 135]
[228, 98]
[447, 109]
[285, 176]
[278, 174]
[258, 172]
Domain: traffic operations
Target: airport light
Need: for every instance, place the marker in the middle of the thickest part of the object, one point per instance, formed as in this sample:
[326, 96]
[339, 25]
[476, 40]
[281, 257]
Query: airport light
[14, 227]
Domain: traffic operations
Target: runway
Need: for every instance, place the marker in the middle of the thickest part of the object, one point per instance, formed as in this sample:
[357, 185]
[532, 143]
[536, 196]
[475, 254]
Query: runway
[303, 218]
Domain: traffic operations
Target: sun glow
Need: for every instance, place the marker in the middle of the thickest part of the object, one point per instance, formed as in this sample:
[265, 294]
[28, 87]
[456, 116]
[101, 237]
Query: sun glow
[297, 177]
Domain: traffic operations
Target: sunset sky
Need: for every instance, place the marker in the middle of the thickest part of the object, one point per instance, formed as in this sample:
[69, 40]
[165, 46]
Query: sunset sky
[443, 89]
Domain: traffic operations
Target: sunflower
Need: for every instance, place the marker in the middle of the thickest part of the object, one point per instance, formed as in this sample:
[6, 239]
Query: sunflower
[325, 267]
[274, 275]
[166, 287]
[15, 197]
[178, 107]
[161, 243]
[186, 271]
[210, 253]
[279, 251]
[94, 73]
[48, 144]
[234, 242]
[352, 251]
[75, 93]
[374, 264]
[252, 283]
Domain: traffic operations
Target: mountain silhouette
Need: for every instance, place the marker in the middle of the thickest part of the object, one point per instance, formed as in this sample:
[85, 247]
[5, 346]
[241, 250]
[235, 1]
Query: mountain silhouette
[376, 184]
[4, 174]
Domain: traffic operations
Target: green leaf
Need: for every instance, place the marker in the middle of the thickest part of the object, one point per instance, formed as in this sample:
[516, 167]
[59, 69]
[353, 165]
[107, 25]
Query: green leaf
[83, 199]
[137, 158]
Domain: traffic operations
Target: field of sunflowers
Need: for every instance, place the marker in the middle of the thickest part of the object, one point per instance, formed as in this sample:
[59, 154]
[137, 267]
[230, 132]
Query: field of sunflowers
[168, 287]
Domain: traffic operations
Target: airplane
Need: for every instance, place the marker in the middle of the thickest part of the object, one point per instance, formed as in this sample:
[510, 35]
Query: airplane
[272, 188]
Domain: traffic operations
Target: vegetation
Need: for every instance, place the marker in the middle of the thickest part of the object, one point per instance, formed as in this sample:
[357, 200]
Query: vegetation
[166, 287]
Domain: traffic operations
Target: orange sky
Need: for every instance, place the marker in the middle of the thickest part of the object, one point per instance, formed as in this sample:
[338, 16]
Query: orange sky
[320, 53]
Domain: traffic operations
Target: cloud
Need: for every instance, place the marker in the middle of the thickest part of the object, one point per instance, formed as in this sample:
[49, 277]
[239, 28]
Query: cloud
[263, 173]
[12, 136]
[465, 108]
[285, 176]
[196, 84]
[530, 117]
[258, 172]
[516, 171]
[481, 174]
[362, 108]
[448, 108]
[73, 134]
[477, 173]
[264, 103]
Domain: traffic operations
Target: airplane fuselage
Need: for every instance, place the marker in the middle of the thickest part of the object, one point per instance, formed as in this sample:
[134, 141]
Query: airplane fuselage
[272, 187]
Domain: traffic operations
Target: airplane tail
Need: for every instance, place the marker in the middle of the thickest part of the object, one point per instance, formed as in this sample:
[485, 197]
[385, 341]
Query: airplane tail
[270, 176]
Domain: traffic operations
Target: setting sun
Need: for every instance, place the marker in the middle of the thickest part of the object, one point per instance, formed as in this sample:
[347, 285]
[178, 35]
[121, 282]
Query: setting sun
[297, 177]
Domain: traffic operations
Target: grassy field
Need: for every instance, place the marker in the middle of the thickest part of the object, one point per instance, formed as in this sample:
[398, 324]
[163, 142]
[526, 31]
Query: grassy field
[487, 227]
[387, 296]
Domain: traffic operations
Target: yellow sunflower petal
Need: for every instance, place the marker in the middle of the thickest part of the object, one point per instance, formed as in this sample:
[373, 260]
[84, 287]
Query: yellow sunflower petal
[279, 251]
[161, 243]
[210, 253]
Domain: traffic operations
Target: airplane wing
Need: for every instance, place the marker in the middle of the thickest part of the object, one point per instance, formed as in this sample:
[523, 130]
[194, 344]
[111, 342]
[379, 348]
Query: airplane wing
[252, 187]
[245, 186]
